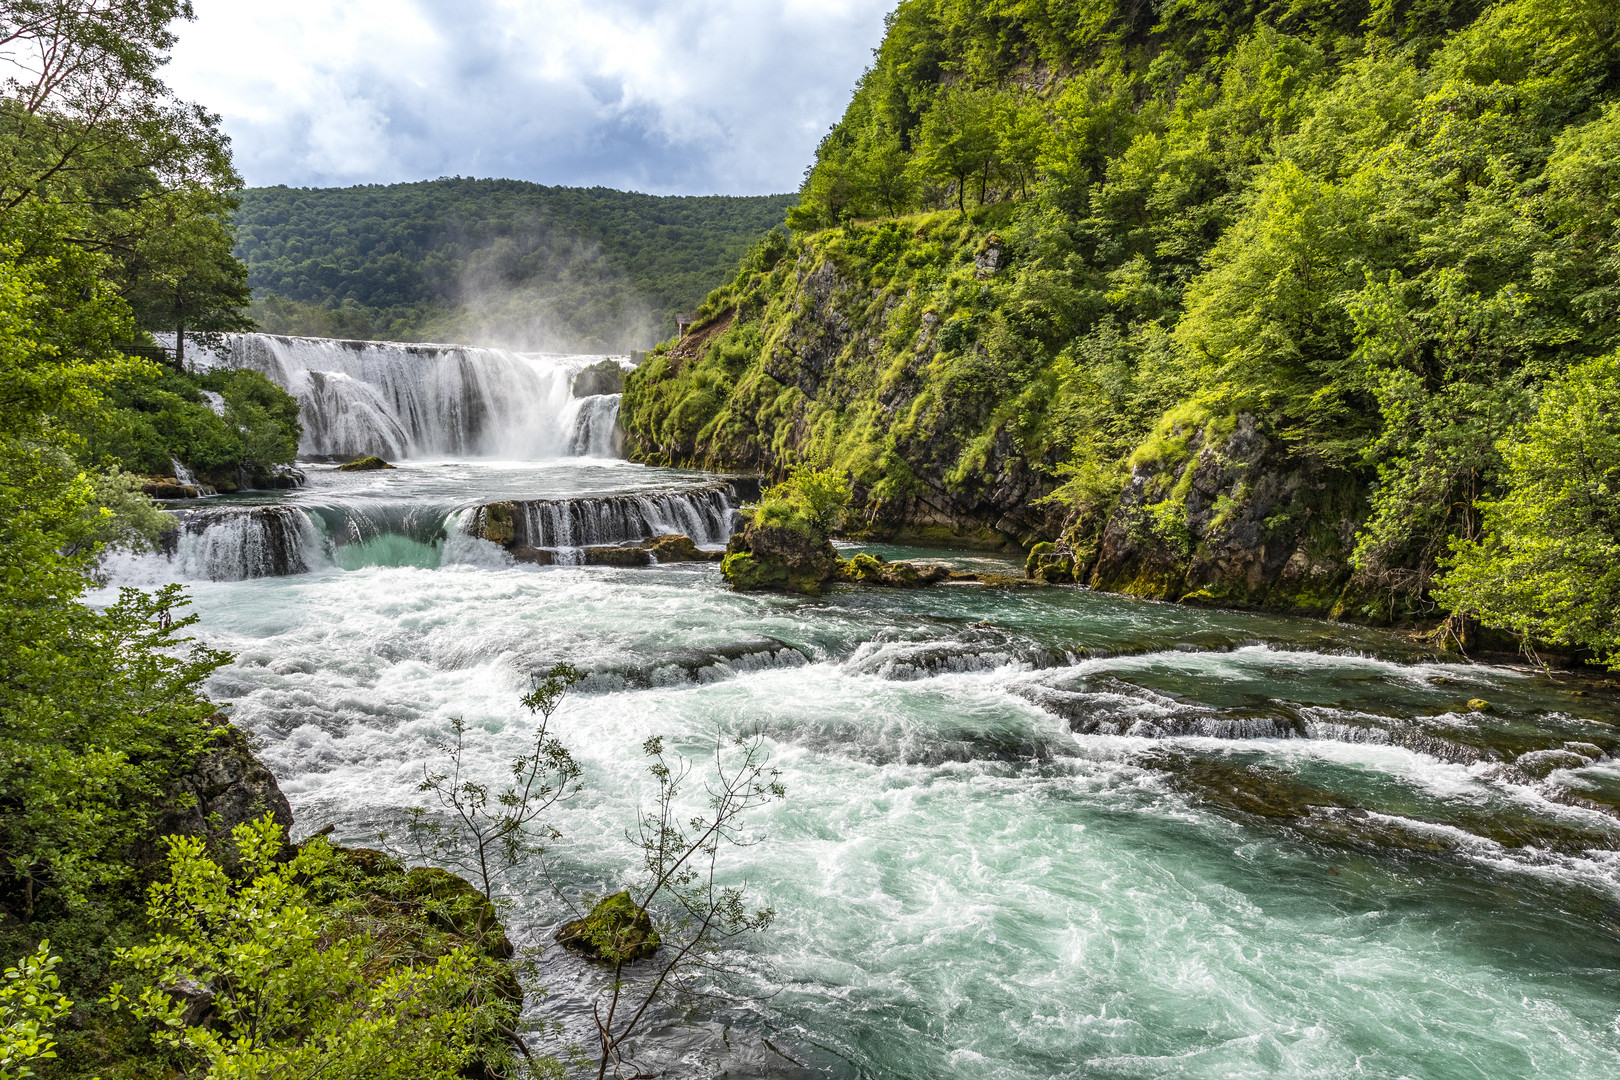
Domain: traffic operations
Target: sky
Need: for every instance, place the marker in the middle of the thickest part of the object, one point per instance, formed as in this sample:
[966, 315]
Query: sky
[689, 97]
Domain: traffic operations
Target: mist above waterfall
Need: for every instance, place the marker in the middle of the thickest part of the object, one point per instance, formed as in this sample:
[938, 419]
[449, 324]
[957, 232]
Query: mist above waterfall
[427, 401]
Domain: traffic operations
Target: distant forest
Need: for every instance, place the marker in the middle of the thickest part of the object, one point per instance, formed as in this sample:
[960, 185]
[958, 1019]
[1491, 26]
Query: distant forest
[490, 261]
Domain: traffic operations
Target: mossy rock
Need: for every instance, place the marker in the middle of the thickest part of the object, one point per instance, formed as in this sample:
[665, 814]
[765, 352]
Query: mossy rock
[365, 464]
[862, 567]
[611, 555]
[615, 930]
[496, 522]
[866, 569]
[778, 559]
[677, 547]
[1480, 705]
[1046, 562]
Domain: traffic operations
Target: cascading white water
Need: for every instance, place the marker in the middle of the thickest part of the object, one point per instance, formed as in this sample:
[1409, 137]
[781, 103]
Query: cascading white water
[706, 516]
[229, 544]
[237, 543]
[595, 423]
[426, 401]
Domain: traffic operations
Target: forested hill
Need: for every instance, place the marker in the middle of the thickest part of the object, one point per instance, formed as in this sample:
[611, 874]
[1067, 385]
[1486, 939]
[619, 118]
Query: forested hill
[497, 261]
[1309, 305]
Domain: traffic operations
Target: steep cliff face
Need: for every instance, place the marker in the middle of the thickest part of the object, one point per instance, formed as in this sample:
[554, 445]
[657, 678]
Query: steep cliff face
[1235, 521]
[839, 353]
[1225, 302]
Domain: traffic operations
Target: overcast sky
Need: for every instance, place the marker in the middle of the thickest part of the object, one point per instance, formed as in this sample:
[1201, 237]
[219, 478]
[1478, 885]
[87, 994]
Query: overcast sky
[662, 96]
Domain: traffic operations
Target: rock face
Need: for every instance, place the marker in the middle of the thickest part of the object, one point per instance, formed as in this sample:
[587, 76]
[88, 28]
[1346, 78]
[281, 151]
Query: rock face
[604, 377]
[224, 788]
[614, 930]
[778, 559]
[1230, 521]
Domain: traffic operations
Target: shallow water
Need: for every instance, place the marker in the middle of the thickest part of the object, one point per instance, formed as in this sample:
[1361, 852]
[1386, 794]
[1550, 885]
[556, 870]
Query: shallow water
[1029, 833]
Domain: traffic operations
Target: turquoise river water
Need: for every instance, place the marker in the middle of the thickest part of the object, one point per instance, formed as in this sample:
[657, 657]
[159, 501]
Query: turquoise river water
[1028, 833]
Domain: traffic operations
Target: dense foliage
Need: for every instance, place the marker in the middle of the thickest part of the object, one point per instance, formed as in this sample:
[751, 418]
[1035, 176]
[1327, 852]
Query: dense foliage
[104, 175]
[295, 965]
[490, 260]
[1221, 283]
[113, 199]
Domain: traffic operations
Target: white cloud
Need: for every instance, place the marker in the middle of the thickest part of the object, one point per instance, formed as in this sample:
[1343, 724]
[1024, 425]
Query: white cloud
[689, 96]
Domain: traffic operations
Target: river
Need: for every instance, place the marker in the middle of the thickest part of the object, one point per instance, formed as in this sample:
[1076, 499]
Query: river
[1028, 832]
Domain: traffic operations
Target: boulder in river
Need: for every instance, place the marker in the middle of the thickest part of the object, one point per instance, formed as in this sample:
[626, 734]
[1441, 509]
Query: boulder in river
[616, 929]
[867, 569]
[615, 555]
[1051, 564]
[167, 487]
[779, 559]
[495, 523]
[365, 464]
[678, 547]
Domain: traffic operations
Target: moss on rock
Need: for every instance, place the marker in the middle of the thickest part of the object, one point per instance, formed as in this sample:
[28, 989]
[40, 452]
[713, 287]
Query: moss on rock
[615, 930]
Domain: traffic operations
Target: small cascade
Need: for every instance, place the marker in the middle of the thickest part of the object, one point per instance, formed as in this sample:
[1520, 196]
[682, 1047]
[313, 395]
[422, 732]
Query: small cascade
[596, 427]
[237, 543]
[184, 476]
[430, 401]
[707, 515]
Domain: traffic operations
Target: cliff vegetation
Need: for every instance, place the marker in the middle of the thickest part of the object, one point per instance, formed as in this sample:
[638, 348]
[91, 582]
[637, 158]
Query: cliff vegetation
[1225, 302]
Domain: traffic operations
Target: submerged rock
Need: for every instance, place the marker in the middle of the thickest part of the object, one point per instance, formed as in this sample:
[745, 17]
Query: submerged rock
[1539, 764]
[679, 548]
[615, 930]
[365, 464]
[778, 559]
[615, 555]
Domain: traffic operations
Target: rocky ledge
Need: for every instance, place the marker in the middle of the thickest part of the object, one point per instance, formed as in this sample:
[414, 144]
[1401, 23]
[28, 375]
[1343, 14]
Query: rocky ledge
[779, 559]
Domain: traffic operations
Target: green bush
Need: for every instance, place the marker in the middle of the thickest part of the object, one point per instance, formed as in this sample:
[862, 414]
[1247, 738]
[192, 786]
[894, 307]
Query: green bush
[809, 501]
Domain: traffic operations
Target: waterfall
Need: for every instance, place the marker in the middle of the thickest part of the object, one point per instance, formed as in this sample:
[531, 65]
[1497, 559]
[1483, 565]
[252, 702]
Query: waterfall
[429, 401]
[706, 515]
[596, 427]
[183, 475]
[237, 543]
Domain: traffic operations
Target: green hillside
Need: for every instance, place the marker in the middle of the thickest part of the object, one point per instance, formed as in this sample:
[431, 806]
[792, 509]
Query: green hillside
[1298, 306]
[490, 260]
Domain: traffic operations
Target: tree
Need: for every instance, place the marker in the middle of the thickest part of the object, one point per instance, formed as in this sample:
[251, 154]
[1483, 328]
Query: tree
[489, 833]
[86, 123]
[958, 140]
[810, 500]
[691, 914]
[887, 179]
[30, 1002]
[1021, 135]
[1548, 565]
[275, 974]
